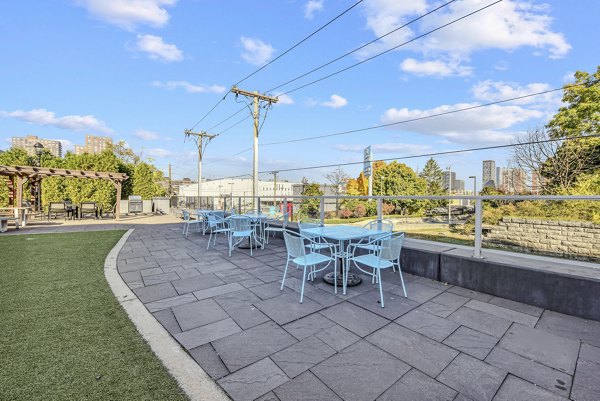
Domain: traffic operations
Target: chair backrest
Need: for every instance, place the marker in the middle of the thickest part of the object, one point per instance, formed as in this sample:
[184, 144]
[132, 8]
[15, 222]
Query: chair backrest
[380, 225]
[391, 247]
[186, 215]
[213, 220]
[294, 244]
[88, 205]
[57, 206]
[239, 223]
[233, 212]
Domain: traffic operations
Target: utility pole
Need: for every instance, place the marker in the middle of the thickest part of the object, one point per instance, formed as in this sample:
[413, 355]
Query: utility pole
[274, 186]
[170, 182]
[256, 98]
[202, 139]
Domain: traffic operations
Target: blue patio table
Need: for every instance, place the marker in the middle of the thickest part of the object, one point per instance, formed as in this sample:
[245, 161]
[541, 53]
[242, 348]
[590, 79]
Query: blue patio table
[343, 234]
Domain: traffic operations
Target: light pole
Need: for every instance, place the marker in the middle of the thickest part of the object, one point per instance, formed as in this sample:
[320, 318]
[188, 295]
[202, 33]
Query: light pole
[382, 192]
[474, 185]
[449, 193]
[39, 149]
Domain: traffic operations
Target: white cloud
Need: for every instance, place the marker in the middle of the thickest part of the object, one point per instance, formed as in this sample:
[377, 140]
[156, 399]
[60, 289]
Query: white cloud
[189, 87]
[256, 51]
[569, 77]
[157, 49]
[146, 135]
[335, 102]
[159, 152]
[483, 125]
[73, 122]
[394, 147]
[311, 7]
[285, 99]
[508, 25]
[437, 68]
[128, 14]
[492, 91]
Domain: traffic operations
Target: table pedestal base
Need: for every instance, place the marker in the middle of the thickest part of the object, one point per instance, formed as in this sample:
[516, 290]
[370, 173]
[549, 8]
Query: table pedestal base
[353, 279]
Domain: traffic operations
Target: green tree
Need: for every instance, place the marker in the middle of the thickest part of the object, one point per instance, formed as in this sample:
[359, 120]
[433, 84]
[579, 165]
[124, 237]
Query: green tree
[397, 179]
[311, 207]
[146, 181]
[13, 157]
[434, 176]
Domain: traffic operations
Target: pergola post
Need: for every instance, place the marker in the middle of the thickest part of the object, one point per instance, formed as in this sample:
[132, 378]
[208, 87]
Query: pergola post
[118, 204]
[19, 200]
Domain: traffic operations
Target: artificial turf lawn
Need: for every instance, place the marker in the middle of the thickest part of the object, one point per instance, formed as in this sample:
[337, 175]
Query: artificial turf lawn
[63, 335]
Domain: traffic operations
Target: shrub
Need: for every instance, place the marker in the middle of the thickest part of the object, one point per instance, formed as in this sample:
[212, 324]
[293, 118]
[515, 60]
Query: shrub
[345, 213]
[388, 208]
[360, 210]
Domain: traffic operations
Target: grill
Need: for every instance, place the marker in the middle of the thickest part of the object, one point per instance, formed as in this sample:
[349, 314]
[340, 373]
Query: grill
[135, 204]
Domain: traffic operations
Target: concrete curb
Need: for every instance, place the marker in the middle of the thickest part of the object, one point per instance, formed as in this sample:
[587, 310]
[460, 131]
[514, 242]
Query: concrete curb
[196, 383]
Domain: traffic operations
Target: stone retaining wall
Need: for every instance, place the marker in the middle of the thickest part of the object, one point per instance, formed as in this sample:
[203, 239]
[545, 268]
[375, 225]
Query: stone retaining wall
[569, 239]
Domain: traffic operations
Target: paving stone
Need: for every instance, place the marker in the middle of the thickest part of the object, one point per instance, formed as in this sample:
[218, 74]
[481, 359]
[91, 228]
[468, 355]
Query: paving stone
[427, 355]
[187, 273]
[167, 319]
[395, 305]
[126, 267]
[155, 292]
[254, 344]
[216, 267]
[270, 396]
[208, 359]
[480, 321]
[287, 307]
[253, 381]
[205, 334]
[417, 386]
[586, 385]
[337, 337]
[442, 311]
[551, 350]
[170, 302]
[427, 324]
[462, 397]
[465, 292]
[471, 377]
[315, 293]
[253, 282]
[266, 274]
[270, 290]
[551, 379]
[517, 306]
[355, 318]
[196, 314]
[302, 356]
[516, 389]
[504, 313]
[214, 291]
[361, 372]
[233, 276]
[572, 327]
[308, 326]
[417, 291]
[131, 277]
[589, 353]
[472, 342]
[196, 283]
[451, 300]
[160, 278]
[306, 387]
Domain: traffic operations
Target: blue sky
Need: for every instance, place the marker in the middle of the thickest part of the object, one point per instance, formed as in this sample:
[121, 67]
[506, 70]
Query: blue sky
[145, 70]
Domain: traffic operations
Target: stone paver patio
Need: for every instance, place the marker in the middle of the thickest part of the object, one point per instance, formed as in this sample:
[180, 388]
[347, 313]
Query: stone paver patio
[442, 343]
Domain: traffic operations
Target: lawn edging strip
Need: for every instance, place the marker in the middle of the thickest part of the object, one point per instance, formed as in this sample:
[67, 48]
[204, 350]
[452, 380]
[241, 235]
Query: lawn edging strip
[194, 381]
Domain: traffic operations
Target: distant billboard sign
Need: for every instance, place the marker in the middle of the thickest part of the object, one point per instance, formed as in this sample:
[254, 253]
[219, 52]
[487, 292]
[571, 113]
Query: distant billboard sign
[367, 162]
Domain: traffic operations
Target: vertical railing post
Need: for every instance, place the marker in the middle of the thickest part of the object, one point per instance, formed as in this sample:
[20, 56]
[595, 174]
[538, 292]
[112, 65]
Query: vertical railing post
[239, 205]
[258, 201]
[322, 210]
[478, 227]
[285, 212]
[379, 208]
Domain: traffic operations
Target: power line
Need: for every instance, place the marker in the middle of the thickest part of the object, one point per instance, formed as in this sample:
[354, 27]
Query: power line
[227, 119]
[443, 153]
[389, 50]
[360, 47]
[300, 42]
[234, 125]
[210, 111]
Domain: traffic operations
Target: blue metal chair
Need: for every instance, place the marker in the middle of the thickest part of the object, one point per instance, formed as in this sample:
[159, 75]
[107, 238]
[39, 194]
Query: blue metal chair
[202, 220]
[187, 221]
[317, 243]
[240, 227]
[274, 225]
[216, 225]
[296, 246]
[378, 225]
[386, 255]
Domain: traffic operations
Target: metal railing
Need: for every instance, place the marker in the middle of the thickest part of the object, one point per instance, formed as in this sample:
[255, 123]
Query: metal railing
[243, 204]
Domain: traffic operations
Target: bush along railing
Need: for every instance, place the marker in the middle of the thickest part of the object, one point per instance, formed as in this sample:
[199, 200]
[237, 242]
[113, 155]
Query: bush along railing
[565, 226]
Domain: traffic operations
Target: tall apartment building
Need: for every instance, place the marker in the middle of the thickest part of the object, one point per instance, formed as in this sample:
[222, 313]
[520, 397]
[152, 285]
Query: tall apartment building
[93, 144]
[27, 143]
[499, 177]
[514, 180]
[488, 177]
[458, 186]
[537, 183]
[449, 178]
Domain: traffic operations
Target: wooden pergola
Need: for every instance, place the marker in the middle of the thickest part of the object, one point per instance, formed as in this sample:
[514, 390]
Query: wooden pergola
[29, 173]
